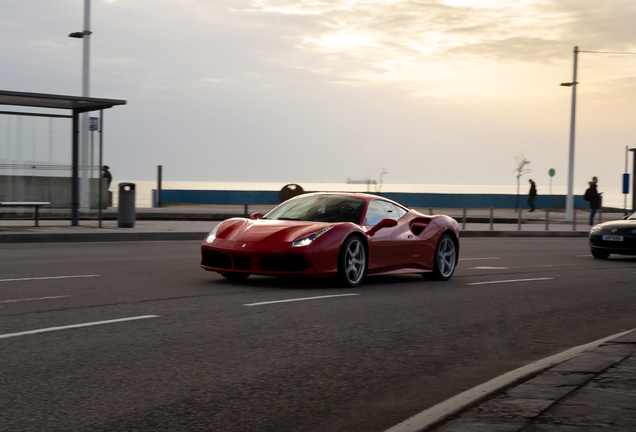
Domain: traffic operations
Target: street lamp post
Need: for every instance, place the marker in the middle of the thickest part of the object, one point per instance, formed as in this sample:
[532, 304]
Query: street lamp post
[84, 118]
[569, 201]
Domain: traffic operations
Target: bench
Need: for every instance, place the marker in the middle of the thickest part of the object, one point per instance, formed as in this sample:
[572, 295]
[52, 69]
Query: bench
[35, 204]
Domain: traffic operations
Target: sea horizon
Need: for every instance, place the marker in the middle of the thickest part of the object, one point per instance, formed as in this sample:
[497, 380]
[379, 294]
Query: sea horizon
[612, 196]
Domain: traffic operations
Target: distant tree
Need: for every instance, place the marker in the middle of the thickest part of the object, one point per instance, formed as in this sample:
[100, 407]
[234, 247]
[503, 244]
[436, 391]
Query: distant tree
[378, 186]
[522, 168]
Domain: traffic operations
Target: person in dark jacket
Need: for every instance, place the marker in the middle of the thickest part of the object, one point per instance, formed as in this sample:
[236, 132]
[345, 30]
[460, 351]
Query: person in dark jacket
[532, 194]
[594, 197]
[106, 174]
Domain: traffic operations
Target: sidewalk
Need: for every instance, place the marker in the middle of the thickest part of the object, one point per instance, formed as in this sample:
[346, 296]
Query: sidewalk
[592, 392]
[193, 222]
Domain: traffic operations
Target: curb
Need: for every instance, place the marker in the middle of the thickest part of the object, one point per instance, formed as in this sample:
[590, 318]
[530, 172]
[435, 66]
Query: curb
[468, 234]
[176, 236]
[515, 406]
[100, 237]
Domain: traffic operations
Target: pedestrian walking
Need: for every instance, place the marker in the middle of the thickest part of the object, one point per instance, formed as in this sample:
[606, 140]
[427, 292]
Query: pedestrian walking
[594, 197]
[532, 195]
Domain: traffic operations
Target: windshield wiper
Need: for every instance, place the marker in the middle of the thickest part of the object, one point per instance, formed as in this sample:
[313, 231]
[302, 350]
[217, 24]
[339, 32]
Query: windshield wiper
[292, 219]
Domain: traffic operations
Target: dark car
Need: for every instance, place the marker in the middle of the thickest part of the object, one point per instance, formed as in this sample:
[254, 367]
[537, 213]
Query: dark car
[616, 237]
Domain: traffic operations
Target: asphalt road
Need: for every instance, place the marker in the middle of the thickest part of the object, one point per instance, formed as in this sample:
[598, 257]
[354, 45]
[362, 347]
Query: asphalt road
[193, 352]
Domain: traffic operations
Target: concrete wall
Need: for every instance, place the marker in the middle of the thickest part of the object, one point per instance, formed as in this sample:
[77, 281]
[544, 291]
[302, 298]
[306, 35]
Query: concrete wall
[435, 200]
[56, 190]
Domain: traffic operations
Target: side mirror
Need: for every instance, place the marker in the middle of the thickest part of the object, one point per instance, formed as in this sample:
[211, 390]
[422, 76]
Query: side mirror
[384, 223]
[255, 216]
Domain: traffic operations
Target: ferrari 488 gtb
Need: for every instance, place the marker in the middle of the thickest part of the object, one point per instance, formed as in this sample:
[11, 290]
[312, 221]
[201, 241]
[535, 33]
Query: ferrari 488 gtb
[340, 235]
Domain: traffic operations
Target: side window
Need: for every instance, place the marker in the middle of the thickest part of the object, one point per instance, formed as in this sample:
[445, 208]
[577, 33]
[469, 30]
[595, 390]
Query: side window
[401, 211]
[379, 210]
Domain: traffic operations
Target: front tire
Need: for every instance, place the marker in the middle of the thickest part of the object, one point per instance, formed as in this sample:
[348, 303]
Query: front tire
[235, 276]
[352, 262]
[445, 259]
[600, 254]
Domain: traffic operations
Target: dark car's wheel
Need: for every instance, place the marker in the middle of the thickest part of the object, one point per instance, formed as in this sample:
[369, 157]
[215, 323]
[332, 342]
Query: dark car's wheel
[352, 262]
[235, 276]
[599, 254]
[445, 259]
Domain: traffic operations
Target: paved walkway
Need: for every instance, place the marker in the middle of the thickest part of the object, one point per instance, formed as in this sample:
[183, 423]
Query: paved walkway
[192, 222]
[593, 392]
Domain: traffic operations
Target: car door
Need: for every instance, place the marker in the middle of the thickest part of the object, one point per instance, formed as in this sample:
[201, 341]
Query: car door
[391, 246]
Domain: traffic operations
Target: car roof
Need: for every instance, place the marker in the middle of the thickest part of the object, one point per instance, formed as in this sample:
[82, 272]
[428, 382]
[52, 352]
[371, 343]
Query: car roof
[364, 196]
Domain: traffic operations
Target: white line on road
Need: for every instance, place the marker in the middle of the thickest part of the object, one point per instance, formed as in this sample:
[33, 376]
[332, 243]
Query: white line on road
[488, 268]
[444, 409]
[48, 277]
[31, 299]
[50, 329]
[473, 259]
[506, 268]
[299, 299]
[505, 281]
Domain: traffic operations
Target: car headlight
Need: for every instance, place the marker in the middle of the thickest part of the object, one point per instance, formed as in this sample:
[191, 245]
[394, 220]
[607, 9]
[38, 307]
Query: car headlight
[210, 238]
[596, 228]
[304, 241]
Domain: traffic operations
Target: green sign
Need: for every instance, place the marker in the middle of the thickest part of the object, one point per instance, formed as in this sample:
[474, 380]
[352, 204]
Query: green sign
[552, 172]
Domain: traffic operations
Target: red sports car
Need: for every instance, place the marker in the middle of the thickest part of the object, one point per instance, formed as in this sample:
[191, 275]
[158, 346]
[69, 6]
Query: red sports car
[343, 235]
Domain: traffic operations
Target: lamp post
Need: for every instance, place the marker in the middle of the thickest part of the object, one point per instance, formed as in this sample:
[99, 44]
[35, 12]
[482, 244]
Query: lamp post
[84, 118]
[569, 200]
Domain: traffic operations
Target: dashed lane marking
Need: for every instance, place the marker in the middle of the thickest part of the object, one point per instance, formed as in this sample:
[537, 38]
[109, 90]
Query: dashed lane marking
[506, 268]
[507, 281]
[50, 329]
[47, 277]
[488, 268]
[32, 299]
[475, 259]
[299, 299]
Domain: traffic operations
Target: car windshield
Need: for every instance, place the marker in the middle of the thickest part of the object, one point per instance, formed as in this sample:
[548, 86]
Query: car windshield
[320, 208]
[632, 217]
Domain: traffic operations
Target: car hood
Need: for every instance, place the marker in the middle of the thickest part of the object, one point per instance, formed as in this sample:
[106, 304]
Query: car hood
[248, 231]
[619, 224]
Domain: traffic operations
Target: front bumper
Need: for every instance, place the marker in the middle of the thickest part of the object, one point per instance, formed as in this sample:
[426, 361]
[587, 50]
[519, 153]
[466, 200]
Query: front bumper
[625, 247]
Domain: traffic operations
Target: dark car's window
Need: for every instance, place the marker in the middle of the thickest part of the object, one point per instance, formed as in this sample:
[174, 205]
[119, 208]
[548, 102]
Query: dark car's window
[320, 208]
[380, 209]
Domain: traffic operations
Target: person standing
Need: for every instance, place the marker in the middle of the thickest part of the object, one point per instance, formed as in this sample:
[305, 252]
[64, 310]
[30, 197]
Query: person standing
[107, 175]
[594, 197]
[532, 195]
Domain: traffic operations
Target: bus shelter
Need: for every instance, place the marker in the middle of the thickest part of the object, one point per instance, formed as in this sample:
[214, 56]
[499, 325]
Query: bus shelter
[76, 105]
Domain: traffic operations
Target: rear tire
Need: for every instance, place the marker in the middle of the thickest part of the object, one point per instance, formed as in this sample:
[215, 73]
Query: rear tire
[352, 262]
[600, 254]
[445, 259]
[235, 276]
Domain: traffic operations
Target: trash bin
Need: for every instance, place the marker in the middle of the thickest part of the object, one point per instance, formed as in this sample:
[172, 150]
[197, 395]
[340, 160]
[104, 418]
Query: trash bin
[126, 209]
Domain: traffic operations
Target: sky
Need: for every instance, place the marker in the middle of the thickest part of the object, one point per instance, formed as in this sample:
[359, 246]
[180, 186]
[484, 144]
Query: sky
[432, 91]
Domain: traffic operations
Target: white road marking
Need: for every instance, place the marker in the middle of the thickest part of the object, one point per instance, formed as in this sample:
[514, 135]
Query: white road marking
[31, 299]
[48, 277]
[450, 406]
[488, 268]
[505, 268]
[50, 329]
[473, 259]
[299, 299]
[505, 281]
